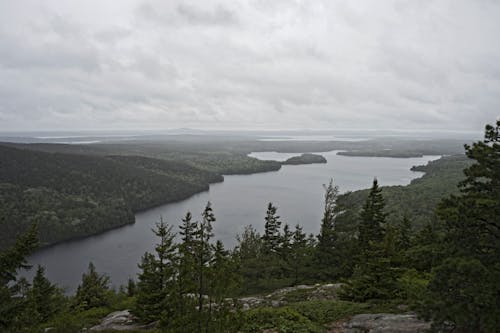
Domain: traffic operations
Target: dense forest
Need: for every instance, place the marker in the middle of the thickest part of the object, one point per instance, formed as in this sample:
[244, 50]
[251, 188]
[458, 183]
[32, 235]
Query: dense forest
[79, 190]
[447, 270]
[73, 195]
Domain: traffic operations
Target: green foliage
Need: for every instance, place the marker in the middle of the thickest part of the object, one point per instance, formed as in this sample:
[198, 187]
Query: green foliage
[155, 282]
[92, 292]
[375, 276]
[464, 289]
[465, 292]
[417, 201]
[372, 219]
[324, 312]
[45, 297]
[78, 193]
[283, 320]
[327, 251]
[271, 237]
[305, 159]
[13, 300]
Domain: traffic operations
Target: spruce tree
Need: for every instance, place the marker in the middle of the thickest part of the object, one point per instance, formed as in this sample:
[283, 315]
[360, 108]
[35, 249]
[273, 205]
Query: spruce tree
[224, 282]
[131, 287]
[203, 255]
[371, 226]
[156, 279]
[326, 255]
[465, 288]
[299, 254]
[46, 297]
[284, 251]
[375, 275]
[92, 292]
[272, 226]
[11, 260]
[186, 279]
[249, 252]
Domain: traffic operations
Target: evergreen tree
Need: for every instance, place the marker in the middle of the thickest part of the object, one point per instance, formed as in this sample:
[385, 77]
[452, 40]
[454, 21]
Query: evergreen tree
[92, 292]
[14, 258]
[272, 226]
[224, 283]
[203, 255]
[249, 252]
[375, 275]
[326, 256]
[186, 279]
[156, 279]
[371, 227]
[284, 251]
[404, 234]
[46, 297]
[299, 254]
[131, 287]
[465, 288]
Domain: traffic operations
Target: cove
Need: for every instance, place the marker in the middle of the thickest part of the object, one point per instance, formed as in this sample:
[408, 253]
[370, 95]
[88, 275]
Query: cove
[238, 201]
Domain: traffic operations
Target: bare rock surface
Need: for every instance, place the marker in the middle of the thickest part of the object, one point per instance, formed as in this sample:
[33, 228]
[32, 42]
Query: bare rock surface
[283, 296]
[384, 323]
[120, 321]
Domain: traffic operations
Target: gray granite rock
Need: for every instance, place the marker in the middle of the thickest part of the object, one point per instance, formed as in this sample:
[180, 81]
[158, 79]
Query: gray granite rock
[386, 323]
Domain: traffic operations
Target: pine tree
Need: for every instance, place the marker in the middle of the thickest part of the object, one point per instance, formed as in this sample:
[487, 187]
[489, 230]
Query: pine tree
[156, 280]
[371, 227]
[272, 226]
[249, 252]
[131, 287]
[465, 288]
[46, 297]
[203, 255]
[224, 282]
[284, 251]
[11, 260]
[92, 292]
[299, 253]
[186, 279]
[326, 256]
[375, 276]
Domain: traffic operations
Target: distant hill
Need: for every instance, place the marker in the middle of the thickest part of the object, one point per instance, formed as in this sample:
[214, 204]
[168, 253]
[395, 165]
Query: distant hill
[72, 195]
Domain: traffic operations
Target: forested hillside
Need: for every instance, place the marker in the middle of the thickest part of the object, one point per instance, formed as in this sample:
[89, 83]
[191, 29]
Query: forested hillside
[72, 195]
[418, 200]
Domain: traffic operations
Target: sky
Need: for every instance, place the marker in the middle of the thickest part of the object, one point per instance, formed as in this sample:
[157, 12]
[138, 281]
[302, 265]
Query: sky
[254, 64]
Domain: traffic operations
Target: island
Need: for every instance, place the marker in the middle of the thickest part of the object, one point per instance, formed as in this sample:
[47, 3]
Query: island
[305, 159]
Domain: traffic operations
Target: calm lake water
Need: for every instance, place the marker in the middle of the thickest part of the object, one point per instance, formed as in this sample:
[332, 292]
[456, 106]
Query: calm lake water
[238, 201]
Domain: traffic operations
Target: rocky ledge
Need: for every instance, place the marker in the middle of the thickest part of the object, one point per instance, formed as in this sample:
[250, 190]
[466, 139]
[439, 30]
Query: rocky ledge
[120, 321]
[381, 323]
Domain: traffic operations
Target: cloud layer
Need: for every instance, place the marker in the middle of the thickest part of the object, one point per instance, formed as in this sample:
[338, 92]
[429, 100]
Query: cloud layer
[249, 64]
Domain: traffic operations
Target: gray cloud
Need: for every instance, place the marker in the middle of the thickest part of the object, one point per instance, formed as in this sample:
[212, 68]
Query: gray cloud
[249, 64]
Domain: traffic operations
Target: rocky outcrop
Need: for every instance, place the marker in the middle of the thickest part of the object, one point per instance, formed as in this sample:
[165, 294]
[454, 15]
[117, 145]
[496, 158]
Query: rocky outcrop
[287, 295]
[120, 321]
[382, 323]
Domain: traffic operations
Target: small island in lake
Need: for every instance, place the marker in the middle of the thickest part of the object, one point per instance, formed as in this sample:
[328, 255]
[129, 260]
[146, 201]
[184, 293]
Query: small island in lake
[305, 159]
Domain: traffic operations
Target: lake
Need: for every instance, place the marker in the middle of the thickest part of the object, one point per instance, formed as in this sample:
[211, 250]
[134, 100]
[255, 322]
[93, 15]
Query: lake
[238, 201]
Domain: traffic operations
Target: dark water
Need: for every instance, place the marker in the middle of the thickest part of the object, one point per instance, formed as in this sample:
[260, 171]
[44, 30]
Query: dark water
[238, 201]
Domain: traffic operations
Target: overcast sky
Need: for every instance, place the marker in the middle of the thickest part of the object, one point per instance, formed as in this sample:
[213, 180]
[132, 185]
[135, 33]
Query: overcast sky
[249, 64]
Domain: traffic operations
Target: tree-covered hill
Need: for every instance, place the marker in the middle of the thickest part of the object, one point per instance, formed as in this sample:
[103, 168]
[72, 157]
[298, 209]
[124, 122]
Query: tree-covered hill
[417, 200]
[72, 195]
